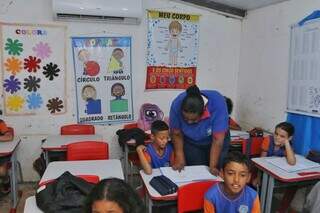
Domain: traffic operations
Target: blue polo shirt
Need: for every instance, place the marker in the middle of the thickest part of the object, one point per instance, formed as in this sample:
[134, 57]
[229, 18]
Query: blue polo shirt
[201, 132]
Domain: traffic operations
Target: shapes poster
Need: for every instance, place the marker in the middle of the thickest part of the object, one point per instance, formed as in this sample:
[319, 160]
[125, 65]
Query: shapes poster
[33, 67]
[172, 50]
[102, 68]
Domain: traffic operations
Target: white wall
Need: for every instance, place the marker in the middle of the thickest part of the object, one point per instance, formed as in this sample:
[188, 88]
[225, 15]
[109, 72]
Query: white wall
[264, 59]
[217, 67]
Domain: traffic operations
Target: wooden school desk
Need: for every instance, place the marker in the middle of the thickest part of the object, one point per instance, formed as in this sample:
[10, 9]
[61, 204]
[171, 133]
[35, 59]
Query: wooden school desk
[153, 197]
[274, 177]
[58, 142]
[9, 149]
[102, 168]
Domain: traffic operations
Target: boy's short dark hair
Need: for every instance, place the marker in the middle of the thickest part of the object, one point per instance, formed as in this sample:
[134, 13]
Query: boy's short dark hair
[286, 126]
[158, 126]
[238, 157]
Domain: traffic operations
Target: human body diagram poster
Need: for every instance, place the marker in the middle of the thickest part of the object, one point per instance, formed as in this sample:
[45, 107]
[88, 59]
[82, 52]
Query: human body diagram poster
[172, 49]
[33, 67]
[103, 79]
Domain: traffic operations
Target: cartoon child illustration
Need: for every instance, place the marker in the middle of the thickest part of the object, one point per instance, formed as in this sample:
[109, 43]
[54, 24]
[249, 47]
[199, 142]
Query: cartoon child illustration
[174, 45]
[115, 63]
[90, 67]
[118, 104]
[89, 94]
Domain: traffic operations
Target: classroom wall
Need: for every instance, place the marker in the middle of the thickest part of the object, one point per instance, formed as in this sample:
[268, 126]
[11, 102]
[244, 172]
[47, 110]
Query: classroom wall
[217, 68]
[264, 59]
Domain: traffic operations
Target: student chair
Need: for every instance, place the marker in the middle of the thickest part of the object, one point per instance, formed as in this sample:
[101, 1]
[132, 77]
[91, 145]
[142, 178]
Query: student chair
[77, 129]
[191, 196]
[252, 146]
[88, 150]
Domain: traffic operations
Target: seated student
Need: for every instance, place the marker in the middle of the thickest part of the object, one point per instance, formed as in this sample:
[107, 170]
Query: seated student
[158, 153]
[5, 135]
[113, 195]
[232, 123]
[279, 145]
[233, 195]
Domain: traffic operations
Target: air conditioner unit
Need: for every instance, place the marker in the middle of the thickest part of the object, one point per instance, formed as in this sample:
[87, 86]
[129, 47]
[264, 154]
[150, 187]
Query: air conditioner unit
[114, 11]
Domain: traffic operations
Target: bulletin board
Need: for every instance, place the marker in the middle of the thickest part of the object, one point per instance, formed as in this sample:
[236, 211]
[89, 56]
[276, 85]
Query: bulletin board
[102, 67]
[304, 69]
[32, 68]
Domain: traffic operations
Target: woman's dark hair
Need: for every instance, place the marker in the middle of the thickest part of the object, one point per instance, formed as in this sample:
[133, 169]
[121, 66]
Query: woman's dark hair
[229, 104]
[286, 126]
[118, 191]
[193, 102]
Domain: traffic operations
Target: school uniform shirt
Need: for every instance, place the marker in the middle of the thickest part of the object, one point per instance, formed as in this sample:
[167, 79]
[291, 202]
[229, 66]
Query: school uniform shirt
[268, 146]
[3, 127]
[156, 160]
[214, 120]
[216, 201]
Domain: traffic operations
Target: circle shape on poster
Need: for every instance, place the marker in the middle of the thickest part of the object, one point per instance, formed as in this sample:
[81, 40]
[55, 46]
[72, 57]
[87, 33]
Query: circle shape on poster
[181, 79]
[190, 80]
[92, 68]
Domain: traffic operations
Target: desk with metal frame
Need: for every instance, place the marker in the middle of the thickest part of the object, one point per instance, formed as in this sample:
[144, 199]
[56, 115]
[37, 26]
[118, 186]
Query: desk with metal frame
[58, 142]
[9, 148]
[275, 177]
[153, 197]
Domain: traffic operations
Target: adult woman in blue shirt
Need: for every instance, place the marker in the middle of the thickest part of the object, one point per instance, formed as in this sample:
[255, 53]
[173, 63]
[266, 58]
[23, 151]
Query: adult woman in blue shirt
[199, 126]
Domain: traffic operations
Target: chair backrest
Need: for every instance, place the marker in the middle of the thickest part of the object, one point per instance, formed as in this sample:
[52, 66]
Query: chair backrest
[88, 150]
[77, 129]
[130, 126]
[191, 196]
[252, 146]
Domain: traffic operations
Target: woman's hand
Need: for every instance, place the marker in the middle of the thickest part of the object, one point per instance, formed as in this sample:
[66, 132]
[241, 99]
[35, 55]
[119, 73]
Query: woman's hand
[179, 162]
[214, 171]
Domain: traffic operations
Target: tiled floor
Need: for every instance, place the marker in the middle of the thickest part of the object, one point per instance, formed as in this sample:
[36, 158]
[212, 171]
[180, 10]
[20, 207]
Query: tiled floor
[28, 189]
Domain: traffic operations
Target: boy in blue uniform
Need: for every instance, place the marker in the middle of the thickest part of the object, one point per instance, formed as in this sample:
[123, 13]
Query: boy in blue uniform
[158, 153]
[233, 195]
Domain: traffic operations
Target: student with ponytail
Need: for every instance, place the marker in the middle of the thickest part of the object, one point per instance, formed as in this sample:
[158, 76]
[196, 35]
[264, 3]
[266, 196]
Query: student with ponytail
[199, 127]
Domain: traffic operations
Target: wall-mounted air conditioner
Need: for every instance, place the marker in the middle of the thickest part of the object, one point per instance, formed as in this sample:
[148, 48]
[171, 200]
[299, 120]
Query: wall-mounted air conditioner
[114, 11]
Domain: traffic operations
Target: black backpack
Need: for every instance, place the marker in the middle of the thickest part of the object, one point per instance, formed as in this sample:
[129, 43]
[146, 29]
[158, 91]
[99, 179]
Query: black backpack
[66, 194]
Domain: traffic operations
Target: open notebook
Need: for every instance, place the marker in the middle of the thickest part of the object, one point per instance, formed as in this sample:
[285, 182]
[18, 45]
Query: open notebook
[301, 163]
[190, 173]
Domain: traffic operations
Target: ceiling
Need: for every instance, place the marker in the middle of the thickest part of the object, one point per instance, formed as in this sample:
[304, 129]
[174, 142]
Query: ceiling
[235, 7]
[248, 4]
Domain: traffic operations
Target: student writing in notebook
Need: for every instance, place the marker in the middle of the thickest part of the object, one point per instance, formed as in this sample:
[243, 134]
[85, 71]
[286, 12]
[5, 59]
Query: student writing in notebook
[159, 153]
[233, 194]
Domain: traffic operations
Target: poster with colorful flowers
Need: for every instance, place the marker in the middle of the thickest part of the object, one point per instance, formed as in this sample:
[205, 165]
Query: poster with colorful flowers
[33, 69]
[172, 50]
